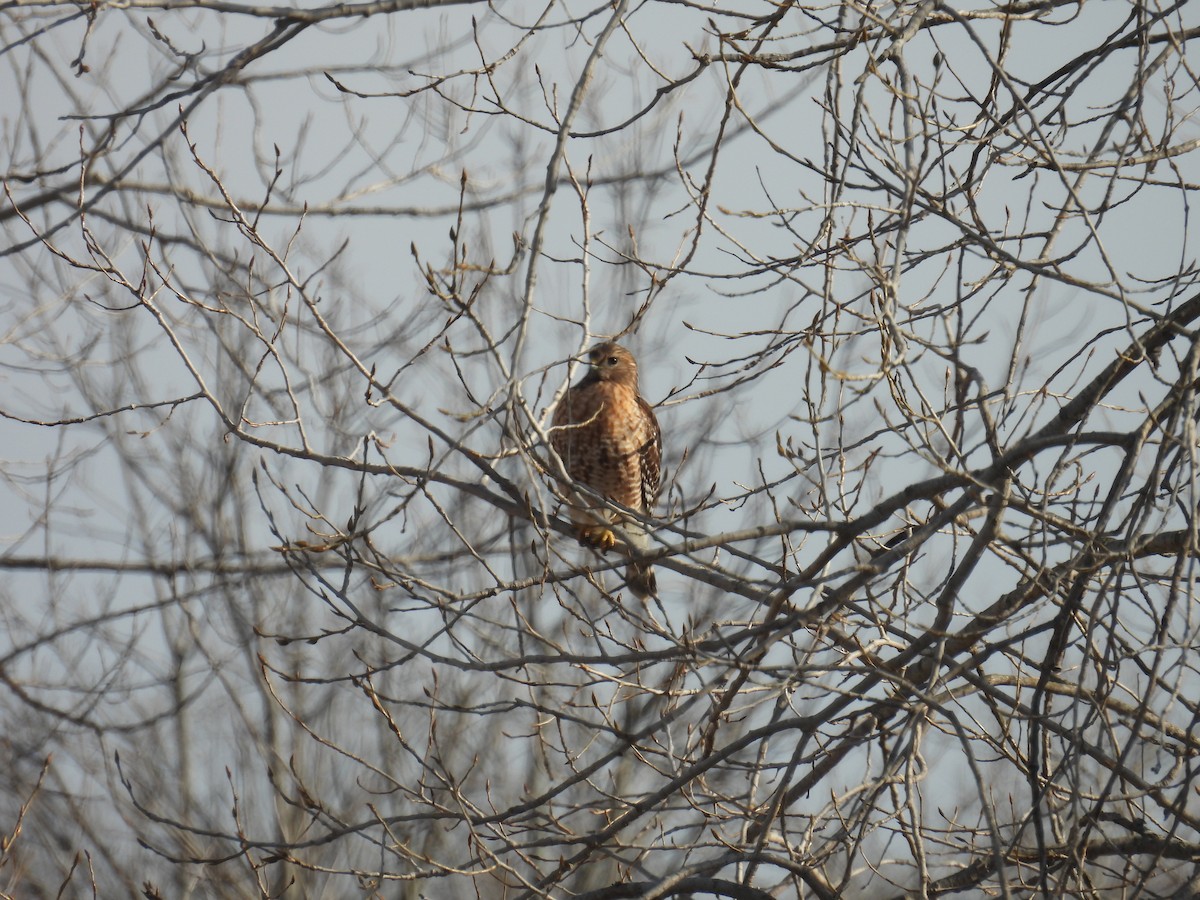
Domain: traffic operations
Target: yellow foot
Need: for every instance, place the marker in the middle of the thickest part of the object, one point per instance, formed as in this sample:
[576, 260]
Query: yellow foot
[597, 536]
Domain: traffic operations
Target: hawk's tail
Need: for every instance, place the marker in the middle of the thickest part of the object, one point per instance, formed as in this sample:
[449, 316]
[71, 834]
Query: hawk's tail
[641, 580]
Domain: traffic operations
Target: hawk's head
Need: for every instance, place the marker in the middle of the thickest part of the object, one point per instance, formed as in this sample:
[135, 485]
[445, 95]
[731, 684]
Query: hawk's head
[609, 361]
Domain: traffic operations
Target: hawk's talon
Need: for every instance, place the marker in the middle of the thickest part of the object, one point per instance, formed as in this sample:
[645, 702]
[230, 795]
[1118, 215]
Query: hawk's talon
[599, 536]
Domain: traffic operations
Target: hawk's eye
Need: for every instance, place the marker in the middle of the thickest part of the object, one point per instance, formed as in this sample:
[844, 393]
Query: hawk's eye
[612, 360]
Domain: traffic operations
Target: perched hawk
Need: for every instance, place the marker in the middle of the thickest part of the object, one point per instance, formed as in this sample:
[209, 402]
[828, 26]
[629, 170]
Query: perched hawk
[609, 440]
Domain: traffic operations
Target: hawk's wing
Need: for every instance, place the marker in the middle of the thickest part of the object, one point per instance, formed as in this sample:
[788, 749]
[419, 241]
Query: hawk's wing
[650, 456]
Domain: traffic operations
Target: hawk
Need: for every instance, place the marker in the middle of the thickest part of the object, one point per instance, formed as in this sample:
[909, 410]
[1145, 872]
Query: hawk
[609, 440]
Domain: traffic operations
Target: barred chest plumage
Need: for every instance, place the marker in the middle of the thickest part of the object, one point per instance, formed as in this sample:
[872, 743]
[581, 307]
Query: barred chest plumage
[611, 431]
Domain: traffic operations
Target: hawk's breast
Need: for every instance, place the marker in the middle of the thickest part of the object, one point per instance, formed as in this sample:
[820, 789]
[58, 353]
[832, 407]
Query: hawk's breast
[605, 444]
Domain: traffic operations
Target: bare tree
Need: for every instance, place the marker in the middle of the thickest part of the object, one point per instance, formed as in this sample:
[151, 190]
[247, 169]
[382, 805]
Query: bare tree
[294, 607]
